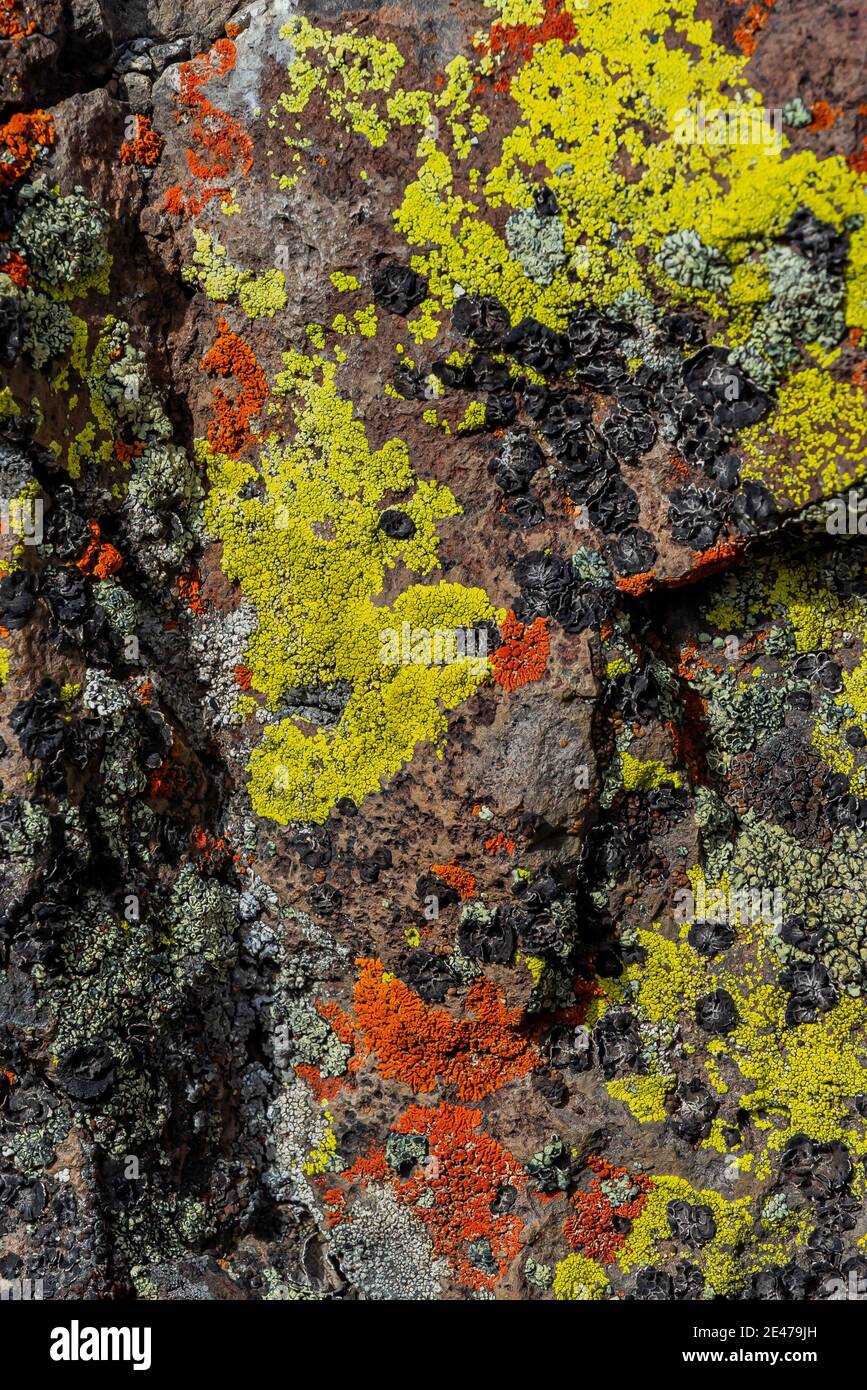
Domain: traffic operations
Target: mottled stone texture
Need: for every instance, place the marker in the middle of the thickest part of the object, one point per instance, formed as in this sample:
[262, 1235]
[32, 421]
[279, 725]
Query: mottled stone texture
[564, 1000]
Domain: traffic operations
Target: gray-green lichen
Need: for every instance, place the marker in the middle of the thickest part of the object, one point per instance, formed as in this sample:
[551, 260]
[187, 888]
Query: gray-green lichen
[796, 113]
[46, 327]
[311, 1039]
[386, 1250]
[685, 258]
[63, 237]
[807, 305]
[539, 243]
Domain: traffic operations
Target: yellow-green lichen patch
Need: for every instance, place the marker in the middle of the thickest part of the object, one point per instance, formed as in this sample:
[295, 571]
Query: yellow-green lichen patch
[260, 296]
[792, 1079]
[638, 775]
[310, 555]
[645, 1095]
[578, 1279]
[814, 443]
[701, 224]
[718, 1260]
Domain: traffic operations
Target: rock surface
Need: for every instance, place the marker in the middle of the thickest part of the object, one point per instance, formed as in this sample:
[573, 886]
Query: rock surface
[434, 704]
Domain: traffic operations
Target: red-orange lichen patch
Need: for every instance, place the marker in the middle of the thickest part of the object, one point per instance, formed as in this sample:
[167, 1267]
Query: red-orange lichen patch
[329, 1087]
[224, 149]
[500, 844]
[513, 44]
[825, 116]
[421, 1045]
[456, 877]
[17, 270]
[12, 25]
[171, 779]
[718, 557]
[636, 584]
[747, 33]
[174, 200]
[124, 452]
[230, 356]
[678, 465]
[591, 1228]
[345, 1030]
[145, 147]
[324, 1088]
[20, 139]
[523, 655]
[100, 557]
[453, 1192]
[217, 851]
[190, 591]
[857, 161]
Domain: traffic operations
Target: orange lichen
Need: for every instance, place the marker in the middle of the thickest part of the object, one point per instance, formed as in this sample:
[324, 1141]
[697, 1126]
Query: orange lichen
[346, 1031]
[715, 557]
[857, 161]
[324, 1088]
[243, 677]
[108, 561]
[747, 33]
[421, 1045]
[224, 149]
[174, 200]
[523, 655]
[824, 115]
[17, 270]
[100, 558]
[230, 356]
[329, 1087]
[513, 44]
[124, 452]
[591, 1229]
[216, 852]
[460, 879]
[500, 844]
[23, 135]
[190, 591]
[171, 779]
[678, 465]
[12, 25]
[453, 1192]
[718, 557]
[636, 584]
[146, 146]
